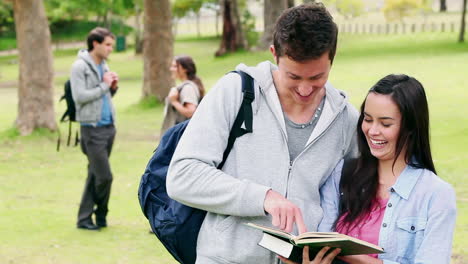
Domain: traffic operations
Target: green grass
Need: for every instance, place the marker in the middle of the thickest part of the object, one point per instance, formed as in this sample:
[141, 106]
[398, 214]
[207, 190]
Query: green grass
[41, 188]
[7, 43]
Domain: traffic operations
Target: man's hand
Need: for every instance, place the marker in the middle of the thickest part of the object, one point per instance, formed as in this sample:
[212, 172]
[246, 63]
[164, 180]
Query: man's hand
[112, 79]
[115, 81]
[108, 78]
[283, 212]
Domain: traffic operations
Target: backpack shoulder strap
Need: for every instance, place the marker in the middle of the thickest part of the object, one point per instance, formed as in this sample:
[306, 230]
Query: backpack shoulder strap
[244, 116]
[181, 86]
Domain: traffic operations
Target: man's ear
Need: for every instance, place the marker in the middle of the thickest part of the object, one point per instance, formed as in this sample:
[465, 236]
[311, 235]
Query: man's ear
[273, 52]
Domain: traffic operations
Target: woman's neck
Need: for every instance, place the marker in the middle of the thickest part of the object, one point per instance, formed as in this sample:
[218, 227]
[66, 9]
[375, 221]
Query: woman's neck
[389, 173]
[183, 75]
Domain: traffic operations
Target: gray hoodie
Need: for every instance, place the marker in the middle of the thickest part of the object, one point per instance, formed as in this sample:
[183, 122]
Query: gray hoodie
[259, 161]
[88, 89]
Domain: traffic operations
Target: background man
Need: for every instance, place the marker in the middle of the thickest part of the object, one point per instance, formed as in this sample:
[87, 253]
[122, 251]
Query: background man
[93, 85]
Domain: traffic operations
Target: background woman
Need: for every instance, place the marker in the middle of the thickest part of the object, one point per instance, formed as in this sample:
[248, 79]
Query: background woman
[393, 198]
[183, 99]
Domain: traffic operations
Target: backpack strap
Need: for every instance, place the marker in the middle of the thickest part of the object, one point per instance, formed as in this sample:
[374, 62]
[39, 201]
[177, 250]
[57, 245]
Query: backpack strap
[244, 116]
[69, 132]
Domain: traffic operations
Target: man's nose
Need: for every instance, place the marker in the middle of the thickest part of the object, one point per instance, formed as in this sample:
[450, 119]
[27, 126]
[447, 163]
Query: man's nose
[305, 88]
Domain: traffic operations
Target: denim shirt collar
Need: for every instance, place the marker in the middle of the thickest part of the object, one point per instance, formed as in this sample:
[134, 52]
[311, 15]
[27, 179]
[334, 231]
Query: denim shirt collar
[406, 181]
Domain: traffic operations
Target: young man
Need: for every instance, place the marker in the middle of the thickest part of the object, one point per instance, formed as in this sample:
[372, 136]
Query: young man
[302, 127]
[92, 86]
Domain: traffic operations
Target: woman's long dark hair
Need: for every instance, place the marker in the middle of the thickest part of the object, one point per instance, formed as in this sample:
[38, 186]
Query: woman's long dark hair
[187, 63]
[359, 189]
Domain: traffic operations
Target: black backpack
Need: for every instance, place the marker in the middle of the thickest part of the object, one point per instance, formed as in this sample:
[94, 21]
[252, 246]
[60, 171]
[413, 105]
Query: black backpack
[177, 225]
[69, 115]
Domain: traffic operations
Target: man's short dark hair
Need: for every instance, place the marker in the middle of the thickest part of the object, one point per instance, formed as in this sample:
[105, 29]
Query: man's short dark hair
[98, 34]
[305, 32]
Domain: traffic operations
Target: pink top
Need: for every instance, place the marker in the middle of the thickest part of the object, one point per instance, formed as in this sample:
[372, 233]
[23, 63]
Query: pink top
[369, 229]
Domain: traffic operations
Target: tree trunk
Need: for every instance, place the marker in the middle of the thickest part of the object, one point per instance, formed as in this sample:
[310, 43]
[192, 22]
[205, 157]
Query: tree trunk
[108, 20]
[197, 17]
[461, 38]
[217, 22]
[138, 38]
[35, 91]
[443, 5]
[233, 36]
[308, 1]
[104, 19]
[272, 10]
[157, 49]
[290, 3]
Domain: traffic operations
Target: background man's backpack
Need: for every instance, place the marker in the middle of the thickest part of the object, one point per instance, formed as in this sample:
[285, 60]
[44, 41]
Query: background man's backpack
[69, 115]
[177, 225]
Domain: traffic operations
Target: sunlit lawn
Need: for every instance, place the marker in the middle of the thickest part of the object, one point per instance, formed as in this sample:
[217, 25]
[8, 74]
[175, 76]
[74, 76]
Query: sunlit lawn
[41, 188]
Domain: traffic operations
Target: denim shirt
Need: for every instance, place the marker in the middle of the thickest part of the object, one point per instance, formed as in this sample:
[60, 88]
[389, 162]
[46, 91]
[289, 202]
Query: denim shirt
[419, 220]
[106, 114]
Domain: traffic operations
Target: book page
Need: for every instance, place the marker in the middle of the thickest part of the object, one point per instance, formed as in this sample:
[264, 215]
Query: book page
[290, 236]
[317, 234]
[348, 247]
[272, 231]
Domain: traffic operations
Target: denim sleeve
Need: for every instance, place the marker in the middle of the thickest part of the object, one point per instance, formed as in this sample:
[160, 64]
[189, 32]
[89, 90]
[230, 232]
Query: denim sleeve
[385, 261]
[436, 246]
[330, 198]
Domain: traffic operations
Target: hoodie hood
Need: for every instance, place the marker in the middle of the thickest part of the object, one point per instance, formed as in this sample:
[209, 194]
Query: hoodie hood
[262, 73]
[335, 100]
[86, 57]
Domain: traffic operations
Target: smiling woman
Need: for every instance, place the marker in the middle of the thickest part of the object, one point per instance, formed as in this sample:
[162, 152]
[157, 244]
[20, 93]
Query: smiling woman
[393, 188]
[381, 125]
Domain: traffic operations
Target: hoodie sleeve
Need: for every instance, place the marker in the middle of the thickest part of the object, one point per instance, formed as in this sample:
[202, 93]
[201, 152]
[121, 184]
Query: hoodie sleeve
[82, 94]
[193, 178]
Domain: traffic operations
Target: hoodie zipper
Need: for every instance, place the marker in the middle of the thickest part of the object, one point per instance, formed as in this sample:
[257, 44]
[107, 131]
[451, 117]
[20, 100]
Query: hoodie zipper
[291, 162]
[284, 140]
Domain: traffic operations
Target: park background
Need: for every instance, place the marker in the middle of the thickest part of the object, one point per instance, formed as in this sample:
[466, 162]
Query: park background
[41, 188]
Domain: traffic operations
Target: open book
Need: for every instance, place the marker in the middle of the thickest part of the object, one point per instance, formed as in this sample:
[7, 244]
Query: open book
[290, 246]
